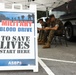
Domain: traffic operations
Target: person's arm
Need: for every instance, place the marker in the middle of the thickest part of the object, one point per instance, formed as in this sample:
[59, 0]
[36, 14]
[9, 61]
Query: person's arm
[53, 28]
[40, 28]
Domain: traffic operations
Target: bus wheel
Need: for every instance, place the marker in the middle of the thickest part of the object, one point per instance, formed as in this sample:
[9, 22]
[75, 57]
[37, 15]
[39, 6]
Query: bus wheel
[69, 32]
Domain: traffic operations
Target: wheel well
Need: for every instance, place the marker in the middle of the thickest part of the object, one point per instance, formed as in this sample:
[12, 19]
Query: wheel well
[68, 23]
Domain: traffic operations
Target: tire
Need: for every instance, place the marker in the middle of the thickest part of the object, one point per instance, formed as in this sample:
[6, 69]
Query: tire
[69, 32]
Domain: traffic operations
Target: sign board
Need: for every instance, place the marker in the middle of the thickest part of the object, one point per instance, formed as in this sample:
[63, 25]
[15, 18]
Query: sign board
[18, 39]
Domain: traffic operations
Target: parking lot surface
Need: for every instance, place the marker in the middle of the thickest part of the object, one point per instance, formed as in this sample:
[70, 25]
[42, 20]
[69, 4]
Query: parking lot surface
[59, 60]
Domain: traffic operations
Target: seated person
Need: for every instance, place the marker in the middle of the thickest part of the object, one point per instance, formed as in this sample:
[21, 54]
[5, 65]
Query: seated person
[55, 29]
[46, 32]
[41, 30]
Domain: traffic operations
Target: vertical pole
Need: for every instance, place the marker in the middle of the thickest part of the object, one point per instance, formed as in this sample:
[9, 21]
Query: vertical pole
[47, 12]
[67, 7]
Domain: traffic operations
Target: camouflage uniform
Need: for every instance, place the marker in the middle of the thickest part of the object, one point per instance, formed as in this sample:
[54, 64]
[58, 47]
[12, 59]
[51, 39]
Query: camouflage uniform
[46, 33]
[59, 31]
[41, 32]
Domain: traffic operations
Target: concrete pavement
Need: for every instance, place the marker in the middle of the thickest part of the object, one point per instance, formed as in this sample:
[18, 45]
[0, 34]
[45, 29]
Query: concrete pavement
[56, 59]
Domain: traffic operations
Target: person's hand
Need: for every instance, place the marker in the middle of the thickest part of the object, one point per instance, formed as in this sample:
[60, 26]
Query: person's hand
[47, 28]
[39, 28]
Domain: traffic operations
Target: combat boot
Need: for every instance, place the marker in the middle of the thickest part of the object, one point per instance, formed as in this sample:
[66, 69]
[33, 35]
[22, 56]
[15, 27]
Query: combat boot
[41, 43]
[39, 40]
[47, 45]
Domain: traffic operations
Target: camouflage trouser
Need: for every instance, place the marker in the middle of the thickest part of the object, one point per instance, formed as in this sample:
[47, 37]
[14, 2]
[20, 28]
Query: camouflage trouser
[51, 35]
[41, 35]
[46, 33]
